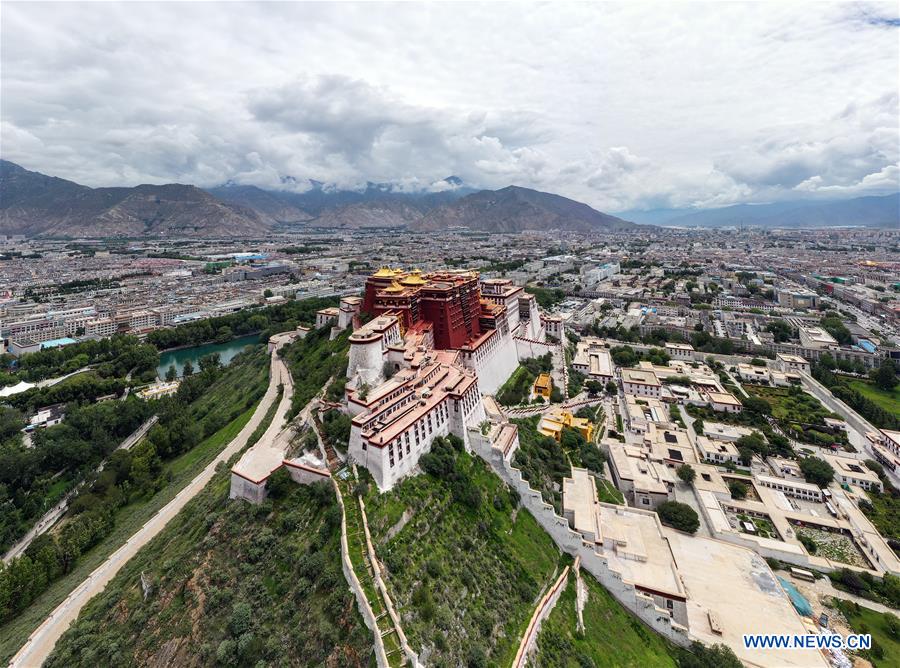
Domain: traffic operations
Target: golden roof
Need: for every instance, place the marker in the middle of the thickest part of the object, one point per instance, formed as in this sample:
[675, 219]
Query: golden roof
[413, 279]
[386, 272]
[394, 287]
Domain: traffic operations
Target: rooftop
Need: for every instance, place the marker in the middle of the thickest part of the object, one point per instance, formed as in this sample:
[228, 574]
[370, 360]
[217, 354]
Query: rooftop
[640, 377]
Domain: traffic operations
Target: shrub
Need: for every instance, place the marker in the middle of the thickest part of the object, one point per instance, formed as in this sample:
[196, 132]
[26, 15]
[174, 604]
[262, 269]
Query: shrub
[678, 516]
[738, 489]
[687, 473]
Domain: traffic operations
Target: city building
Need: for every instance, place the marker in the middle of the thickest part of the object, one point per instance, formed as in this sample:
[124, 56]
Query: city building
[641, 383]
[716, 451]
[641, 412]
[798, 298]
[849, 471]
[592, 358]
[816, 337]
[395, 423]
[643, 481]
[680, 351]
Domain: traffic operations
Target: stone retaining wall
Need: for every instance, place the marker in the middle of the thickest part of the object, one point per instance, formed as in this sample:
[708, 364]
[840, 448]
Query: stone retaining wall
[572, 543]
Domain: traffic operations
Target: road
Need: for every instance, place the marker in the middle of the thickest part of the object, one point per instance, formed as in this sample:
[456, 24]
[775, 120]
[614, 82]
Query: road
[41, 643]
[52, 516]
[50, 382]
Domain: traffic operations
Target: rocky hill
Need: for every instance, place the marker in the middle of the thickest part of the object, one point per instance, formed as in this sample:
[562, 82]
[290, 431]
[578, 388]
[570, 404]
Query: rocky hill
[34, 204]
[273, 207]
[515, 209]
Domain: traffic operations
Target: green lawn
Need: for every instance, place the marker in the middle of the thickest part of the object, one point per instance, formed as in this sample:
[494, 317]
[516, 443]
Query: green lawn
[864, 620]
[612, 637]
[884, 514]
[889, 401]
[799, 414]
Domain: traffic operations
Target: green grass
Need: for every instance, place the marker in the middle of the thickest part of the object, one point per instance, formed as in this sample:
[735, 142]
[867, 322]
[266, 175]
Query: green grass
[129, 519]
[884, 514]
[889, 401]
[464, 580]
[864, 620]
[797, 412]
[612, 637]
[608, 493]
[517, 387]
[278, 563]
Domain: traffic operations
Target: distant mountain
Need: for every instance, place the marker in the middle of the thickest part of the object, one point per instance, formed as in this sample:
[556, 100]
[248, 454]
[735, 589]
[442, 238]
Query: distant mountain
[862, 211]
[34, 204]
[515, 209]
[389, 212]
[320, 198]
[272, 206]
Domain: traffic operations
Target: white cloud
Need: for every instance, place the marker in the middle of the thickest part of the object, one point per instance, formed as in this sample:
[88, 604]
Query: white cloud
[618, 105]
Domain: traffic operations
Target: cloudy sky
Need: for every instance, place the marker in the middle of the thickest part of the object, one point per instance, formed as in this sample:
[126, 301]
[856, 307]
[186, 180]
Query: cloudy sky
[618, 105]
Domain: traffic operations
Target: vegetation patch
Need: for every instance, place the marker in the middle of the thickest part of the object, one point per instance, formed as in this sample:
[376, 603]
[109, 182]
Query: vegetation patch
[463, 562]
[542, 461]
[517, 388]
[231, 584]
[132, 488]
[611, 637]
[883, 626]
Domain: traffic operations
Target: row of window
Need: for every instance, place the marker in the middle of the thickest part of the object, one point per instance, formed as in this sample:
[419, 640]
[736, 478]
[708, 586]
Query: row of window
[421, 433]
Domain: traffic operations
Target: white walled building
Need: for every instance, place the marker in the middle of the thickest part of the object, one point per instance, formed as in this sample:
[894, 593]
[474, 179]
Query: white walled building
[399, 421]
[641, 382]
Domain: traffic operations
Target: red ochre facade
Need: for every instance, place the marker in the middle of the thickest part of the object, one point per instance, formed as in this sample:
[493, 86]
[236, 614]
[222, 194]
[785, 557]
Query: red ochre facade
[451, 301]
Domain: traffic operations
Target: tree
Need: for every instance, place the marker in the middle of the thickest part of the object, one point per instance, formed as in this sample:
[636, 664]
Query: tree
[171, 373]
[594, 387]
[757, 405]
[687, 473]
[611, 387]
[817, 471]
[210, 361]
[279, 483]
[268, 293]
[678, 516]
[738, 490]
[885, 376]
[187, 369]
[716, 656]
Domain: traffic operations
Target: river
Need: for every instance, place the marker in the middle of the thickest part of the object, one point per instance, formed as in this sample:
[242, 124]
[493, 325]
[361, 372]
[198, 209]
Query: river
[227, 352]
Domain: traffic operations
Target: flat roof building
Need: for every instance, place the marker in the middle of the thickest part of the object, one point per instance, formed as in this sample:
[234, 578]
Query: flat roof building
[593, 359]
[816, 337]
[641, 383]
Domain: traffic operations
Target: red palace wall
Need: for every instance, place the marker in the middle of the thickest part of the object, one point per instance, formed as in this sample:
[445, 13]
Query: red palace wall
[452, 303]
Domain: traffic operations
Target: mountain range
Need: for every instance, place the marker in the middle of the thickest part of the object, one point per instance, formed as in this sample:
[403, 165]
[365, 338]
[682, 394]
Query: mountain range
[883, 211]
[34, 204]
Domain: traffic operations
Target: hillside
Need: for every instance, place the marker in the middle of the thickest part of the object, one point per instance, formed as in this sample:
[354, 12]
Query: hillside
[232, 584]
[272, 207]
[378, 213]
[34, 204]
[464, 564]
[515, 209]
